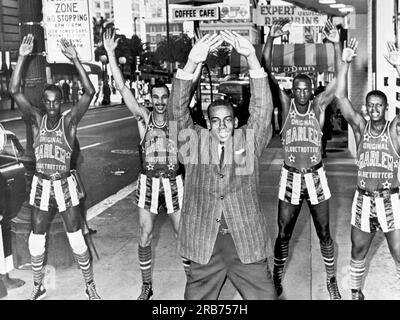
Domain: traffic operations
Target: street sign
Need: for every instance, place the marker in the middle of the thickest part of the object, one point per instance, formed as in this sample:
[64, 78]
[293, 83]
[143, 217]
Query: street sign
[69, 19]
[184, 13]
[267, 15]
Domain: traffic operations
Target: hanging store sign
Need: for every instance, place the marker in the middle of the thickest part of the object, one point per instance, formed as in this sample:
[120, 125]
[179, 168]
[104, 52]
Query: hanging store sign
[69, 19]
[294, 58]
[239, 11]
[183, 13]
[267, 15]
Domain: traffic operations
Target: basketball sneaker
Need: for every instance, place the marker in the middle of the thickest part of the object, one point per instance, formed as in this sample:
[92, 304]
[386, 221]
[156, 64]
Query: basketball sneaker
[91, 292]
[357, 295]
[38, 292]
[147, 292]
[333, 289]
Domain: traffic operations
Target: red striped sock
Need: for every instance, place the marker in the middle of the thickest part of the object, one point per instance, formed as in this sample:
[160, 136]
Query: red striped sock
[85, 265]
[281, 252]
[357, 269]
[328, 253]
[37, 268]
[145, 256]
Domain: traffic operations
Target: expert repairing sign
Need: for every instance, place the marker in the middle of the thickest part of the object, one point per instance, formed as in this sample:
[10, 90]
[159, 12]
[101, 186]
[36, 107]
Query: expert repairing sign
[67, 19]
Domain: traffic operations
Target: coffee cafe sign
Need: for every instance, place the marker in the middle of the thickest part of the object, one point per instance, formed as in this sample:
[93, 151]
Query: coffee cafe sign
[183, 13]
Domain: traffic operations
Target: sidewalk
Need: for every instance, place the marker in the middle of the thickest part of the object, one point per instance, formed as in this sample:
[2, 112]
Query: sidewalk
[117, 273]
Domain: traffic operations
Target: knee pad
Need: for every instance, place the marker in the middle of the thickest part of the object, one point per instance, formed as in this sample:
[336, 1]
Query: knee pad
[77, 241]
[36, 244]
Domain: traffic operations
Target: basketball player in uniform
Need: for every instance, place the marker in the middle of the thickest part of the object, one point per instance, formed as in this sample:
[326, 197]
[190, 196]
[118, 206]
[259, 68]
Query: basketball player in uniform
[52, 184]
[303, 174]
[376, 203]
[160, 182]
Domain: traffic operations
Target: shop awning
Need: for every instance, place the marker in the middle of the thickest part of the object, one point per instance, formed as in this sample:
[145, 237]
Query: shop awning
[295, 58]
[69, 69]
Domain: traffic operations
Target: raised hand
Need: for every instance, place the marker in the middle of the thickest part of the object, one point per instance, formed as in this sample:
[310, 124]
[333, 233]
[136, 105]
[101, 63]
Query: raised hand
[349, 51]
[26, 45]
[68, 49]
[394, 54]
[276, 29]
[203, 46]
[241, 44]
[330, 32]
[110, 43]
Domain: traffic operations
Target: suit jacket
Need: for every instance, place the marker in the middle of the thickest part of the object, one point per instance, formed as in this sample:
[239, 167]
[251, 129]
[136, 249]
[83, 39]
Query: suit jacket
[232, 189]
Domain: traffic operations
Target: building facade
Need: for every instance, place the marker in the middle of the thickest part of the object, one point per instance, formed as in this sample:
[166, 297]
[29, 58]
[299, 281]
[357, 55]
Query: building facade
[129, 17]
[102, 8]
[234, 16]
[155, 14]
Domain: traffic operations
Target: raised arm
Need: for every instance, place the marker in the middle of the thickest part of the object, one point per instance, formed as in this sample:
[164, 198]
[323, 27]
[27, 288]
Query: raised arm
[196, 79]
[275, 31]
[326, 97]
[261, 105]
[182, 82]
[354, 118]
[15, 82]
[110, 44]
[79, 109]
[393, 57]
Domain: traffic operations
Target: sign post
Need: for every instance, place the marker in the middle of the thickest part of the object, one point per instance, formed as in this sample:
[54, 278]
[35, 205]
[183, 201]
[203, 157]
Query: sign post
[3, 138]
[68, 19]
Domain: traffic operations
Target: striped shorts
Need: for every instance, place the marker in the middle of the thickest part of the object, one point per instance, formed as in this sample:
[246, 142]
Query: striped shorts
[62, 192]
[151, 193]
[312, 186]
[371, 213]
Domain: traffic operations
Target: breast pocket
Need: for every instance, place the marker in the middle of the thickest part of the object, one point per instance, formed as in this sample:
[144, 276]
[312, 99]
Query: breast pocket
[244, 162]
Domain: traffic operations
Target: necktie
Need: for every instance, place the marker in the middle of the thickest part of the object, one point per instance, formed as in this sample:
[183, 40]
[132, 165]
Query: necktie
[221, 158]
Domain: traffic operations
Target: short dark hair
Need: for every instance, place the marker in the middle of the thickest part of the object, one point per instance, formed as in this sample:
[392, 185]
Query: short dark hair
[377, 93]
[302, 77]
[159, 85]
[52, 87]
[218, 103]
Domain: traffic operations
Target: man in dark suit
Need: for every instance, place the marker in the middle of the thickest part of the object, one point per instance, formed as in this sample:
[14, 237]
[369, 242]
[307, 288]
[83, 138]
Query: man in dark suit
[222, 229]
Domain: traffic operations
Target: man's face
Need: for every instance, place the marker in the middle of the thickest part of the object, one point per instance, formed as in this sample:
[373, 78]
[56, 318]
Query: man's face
[222, 123]
[159, 97]
[376, 108]
[301, 91]
[52, 102]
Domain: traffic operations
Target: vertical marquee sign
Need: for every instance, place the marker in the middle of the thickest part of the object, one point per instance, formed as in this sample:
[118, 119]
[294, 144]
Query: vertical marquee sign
[68, 19]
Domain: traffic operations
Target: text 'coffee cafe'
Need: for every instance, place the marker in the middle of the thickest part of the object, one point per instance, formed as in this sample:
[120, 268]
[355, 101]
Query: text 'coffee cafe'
[193, 13]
